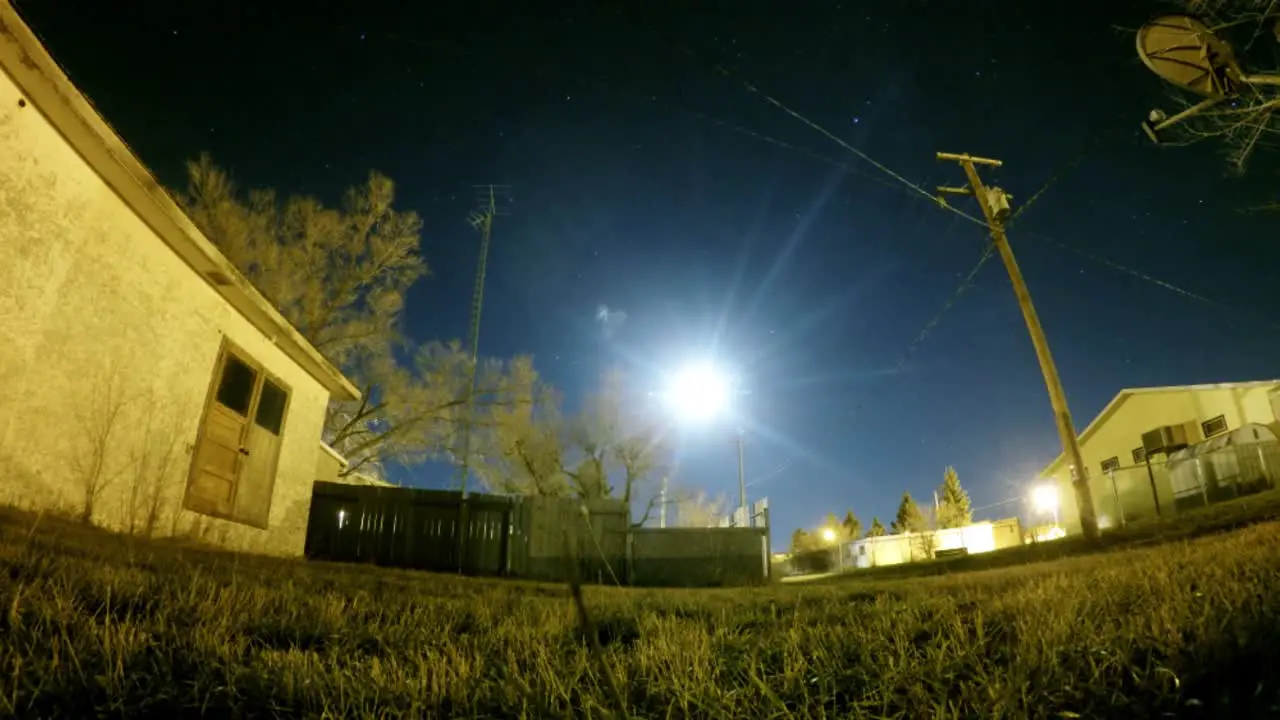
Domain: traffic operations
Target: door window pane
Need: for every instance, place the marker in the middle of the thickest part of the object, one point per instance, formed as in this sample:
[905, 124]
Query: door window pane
[235, 390]
[271, 407]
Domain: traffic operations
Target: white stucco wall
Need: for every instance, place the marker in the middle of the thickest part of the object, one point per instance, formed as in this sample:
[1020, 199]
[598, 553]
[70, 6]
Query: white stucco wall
[99, 319]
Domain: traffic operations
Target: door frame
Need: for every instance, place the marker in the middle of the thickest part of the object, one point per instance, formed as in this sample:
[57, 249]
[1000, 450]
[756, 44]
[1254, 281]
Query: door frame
[228, 348]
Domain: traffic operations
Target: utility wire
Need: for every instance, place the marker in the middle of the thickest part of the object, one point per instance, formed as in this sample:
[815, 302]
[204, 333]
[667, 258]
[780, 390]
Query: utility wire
[720, 69]
[914, 188]
[1062, 171]
[788, 146]
[967, 282]
[1154, 280]
[932, 197]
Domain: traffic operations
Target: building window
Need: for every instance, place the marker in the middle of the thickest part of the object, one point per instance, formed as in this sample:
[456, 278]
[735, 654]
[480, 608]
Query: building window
[1139, 455]
[1110, 464]
[1214, 426]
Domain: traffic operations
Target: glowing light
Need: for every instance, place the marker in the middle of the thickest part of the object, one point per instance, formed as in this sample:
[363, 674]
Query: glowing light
[1048, 534]
[1044, 498]
[698, 393]
[828, 534]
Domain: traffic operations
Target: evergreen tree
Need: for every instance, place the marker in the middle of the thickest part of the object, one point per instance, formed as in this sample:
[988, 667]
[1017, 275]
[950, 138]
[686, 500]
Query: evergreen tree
[800, 541]
[830, 522]
[852, 526]
[954, 509]
[877, 529]
[909, 517]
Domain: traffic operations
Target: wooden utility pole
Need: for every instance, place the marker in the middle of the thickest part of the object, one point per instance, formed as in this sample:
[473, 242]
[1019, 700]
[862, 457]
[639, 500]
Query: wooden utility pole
[995, 207]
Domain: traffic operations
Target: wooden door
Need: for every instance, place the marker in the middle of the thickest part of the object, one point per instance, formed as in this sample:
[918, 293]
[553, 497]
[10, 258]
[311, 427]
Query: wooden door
[221, 450]
[261, 451]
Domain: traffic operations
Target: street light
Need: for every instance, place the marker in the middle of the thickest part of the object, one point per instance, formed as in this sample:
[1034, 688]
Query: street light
[700, 392]
[829, 536]
[1044, 498]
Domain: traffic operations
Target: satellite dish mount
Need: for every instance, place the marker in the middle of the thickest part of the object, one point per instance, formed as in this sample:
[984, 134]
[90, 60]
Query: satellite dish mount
[1184, 51]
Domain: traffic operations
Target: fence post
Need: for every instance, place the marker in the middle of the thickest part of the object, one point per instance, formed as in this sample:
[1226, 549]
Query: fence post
[1151, 477]
[768, 547]
[1115, 496]
[464, 527]
[505, 543]
[631, 557]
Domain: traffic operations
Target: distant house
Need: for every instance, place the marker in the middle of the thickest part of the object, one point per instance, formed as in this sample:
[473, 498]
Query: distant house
[979, 537]
[1152, 424]
[142, 379]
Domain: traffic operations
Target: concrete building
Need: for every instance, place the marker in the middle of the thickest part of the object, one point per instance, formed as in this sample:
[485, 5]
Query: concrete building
[143, 381]
[1127, 473]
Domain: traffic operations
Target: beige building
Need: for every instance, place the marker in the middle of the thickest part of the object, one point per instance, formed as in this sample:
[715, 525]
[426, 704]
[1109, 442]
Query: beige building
[1127, 477]
[974, 539]
[143, 381]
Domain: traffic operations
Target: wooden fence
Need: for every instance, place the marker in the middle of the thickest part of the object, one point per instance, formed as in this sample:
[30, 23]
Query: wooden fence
[476, 535]
[699, 557]
[422, 529]
[528, 537]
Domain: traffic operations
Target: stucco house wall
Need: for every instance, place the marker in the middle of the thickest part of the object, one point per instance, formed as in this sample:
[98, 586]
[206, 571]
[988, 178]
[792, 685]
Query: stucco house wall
[1117, 433]
[110, 337]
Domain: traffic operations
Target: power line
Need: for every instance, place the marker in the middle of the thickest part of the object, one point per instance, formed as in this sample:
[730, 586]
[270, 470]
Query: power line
[720, 69]
[865, 157]
[1071, 164]
[1062, 171]
[787, 146]
[965, 284]
[1153, 280]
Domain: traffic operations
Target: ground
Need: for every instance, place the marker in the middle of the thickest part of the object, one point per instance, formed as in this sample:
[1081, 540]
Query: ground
[93, 624]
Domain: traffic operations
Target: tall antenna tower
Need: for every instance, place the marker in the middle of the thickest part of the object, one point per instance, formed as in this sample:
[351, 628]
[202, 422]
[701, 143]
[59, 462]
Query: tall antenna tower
[490, 203]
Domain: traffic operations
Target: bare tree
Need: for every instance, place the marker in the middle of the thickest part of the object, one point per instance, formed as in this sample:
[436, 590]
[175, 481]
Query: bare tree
[340, 276]
[613, 436]
[1249, 121]
[925, 540]
[520, 449]
[94, 456]
[414, 412]
[156, 465]
[526, 445]
[697, 509]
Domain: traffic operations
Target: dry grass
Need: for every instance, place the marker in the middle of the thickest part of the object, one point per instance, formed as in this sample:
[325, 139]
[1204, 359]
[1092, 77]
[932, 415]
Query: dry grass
[101, 625]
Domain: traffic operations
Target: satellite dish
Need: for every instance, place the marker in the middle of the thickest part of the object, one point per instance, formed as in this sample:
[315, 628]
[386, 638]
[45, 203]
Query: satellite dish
[1184, 51]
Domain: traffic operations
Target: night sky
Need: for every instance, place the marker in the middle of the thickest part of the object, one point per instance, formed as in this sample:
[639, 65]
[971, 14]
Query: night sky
[647, 178]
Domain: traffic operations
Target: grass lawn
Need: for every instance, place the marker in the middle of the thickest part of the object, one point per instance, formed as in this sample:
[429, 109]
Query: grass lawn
[98, 625]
